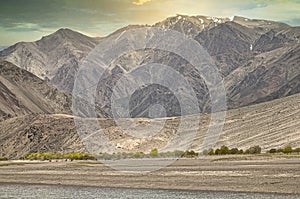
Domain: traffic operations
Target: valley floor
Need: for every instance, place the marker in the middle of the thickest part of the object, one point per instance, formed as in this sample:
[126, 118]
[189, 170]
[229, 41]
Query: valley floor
[246, 173]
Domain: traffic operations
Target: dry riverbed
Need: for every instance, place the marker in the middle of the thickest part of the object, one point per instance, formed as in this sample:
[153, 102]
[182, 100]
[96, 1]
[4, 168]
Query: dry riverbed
[260, 173]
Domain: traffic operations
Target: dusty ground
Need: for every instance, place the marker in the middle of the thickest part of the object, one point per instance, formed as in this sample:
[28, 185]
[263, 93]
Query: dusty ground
[273, 124]
[279, 174]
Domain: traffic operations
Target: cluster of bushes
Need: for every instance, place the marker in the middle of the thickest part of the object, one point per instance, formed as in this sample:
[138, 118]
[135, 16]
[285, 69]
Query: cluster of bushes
[121, 155]
[224, 150]
[285, 150]
[56, 156]
[189, 154]
[152, 154]
[106, 156]
[3, 159]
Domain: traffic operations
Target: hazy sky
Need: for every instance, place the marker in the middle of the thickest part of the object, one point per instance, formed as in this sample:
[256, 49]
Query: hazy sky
[28, 20]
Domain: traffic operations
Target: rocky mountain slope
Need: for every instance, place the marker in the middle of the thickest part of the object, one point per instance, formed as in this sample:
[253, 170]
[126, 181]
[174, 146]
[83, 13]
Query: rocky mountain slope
[272, 124]
[24, 93]
[54, 58]
[267, 76]
[259, 60]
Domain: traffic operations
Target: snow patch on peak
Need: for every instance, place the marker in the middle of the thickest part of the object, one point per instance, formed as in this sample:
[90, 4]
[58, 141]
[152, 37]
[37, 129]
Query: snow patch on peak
[231, 18]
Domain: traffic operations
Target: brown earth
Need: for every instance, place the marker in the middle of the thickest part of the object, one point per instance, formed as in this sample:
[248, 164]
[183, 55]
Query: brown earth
[280, 174]
[272, 124]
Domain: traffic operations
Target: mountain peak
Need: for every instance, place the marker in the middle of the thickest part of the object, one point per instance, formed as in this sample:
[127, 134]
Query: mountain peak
[190, 25]
[66, 32]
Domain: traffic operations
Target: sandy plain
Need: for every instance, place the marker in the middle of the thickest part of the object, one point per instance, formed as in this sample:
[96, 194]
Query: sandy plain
[245, 173]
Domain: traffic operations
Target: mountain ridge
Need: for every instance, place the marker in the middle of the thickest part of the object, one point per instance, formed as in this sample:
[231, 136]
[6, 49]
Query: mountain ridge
[23, 93]
[240, 47]
[272, 124]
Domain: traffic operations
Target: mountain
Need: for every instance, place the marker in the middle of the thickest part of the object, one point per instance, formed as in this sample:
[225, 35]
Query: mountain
[23, 93]
[260, 25]
[3, 47]
[273, 124]
[190, 25]
[54, 58]
[258, 60]
[193, 25]
[251, 55]
[229, 44]
[145, 97]
[267, 76]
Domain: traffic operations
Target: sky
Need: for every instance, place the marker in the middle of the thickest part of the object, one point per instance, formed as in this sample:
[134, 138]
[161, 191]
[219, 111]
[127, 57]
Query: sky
[29, 20]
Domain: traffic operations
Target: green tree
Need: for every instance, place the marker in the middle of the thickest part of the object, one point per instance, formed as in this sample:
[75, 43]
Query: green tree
[280, 150]
[217, 151]
[211, 152]
[234, 151]
[272, 151]
[297, 150]
[3, 159]
[287, 149]
[154, 153]
[254, 150]
[138, 155]
[224, 150]
[190, 154]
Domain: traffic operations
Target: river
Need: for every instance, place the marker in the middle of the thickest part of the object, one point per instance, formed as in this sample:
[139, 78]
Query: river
[54, 191]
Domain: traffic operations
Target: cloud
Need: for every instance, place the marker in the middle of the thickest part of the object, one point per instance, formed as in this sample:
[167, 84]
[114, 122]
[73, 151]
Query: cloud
[250, 6]
[31, 19]
[23, 27]
[140, 2]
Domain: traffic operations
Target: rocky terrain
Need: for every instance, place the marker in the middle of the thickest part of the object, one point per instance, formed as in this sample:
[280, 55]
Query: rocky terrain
[54, 58]
[23, 93]
[258, 59]
[272, 124]
[248, 174]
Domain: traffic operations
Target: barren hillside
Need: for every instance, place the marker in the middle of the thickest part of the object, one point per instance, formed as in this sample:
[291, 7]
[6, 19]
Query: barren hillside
[259, 60]
[272, 124]
[23, 93]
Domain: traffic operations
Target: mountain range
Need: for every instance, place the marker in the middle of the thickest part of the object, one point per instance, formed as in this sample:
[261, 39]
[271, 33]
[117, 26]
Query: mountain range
[24, 93]
[273, 124]
[257, 59]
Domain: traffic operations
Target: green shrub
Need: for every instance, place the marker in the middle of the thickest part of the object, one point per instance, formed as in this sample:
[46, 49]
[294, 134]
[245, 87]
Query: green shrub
[297, 150]
[272, 151]
[253, 150]
[154, 153]
[138, 155]
[3, 159]
[234, 151]
[224, 150]
[217, 151]
[287, 149]
[51, 156]
[280, 150]
[211, 152]
[241, 151]
[189, 154]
